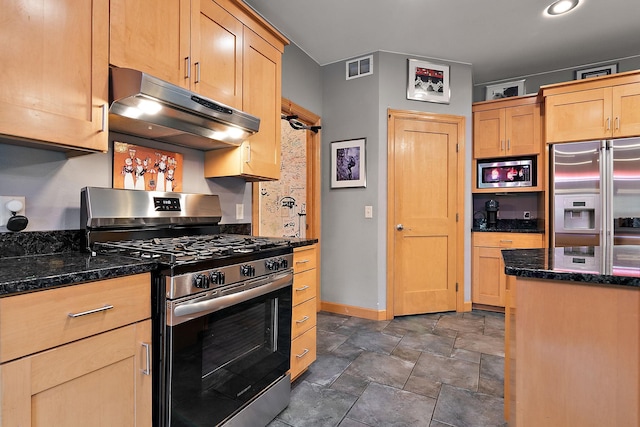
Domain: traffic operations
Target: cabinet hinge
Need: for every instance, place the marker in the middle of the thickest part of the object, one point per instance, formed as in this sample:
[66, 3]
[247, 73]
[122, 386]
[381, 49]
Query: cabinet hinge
[457, 217]
[456, 286]
[457, 147]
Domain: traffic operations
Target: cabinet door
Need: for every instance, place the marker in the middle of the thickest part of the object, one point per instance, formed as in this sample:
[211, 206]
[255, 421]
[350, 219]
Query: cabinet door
[97, 381]
[626, 110]
[577, 116]
[216, 46]
[522, 128]
[151, 36]
[488, 277]
[261, 97]
[489, 133]
[54, 85]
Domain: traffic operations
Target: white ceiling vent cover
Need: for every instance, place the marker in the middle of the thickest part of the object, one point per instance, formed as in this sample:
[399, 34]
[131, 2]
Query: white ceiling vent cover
[359, 67]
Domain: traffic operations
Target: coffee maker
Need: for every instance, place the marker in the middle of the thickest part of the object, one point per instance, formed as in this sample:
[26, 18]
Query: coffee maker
[492, 206]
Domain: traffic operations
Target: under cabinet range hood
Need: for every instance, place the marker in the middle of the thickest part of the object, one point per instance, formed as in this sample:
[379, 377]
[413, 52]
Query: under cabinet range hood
[145, 106]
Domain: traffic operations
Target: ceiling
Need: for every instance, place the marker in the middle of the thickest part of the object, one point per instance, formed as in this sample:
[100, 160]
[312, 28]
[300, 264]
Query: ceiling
[502, 39]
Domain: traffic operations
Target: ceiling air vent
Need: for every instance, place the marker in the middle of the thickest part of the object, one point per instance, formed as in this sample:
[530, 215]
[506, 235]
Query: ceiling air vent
[360, 67]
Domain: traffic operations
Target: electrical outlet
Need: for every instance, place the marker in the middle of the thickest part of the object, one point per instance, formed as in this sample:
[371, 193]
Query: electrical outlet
[368, 211]
[239, 211]
[526, 215]
[5, 213]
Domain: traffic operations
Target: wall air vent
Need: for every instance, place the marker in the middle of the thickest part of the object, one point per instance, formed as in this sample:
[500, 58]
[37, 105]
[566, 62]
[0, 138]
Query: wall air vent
[359, 67]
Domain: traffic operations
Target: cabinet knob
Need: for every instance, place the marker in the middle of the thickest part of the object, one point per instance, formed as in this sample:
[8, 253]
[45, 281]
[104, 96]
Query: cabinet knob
[399, 227]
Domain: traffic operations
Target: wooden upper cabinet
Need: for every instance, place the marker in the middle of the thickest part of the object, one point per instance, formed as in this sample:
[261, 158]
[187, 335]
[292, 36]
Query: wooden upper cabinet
[596, 108]
[507, 127]
[216, 48]
[54, 86]
[151, 36]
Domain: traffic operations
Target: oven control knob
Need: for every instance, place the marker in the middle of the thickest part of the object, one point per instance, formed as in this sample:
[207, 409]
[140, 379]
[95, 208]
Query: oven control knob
[272, 264]
[216, 278]
[247, 270]
[284, 263]
[201, 281]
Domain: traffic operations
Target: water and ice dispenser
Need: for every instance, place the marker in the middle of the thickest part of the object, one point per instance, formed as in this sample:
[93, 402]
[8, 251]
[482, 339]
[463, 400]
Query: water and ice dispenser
[577, 214]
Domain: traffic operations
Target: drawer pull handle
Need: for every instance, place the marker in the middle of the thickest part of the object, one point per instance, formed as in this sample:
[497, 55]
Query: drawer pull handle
[304, 288]
[95, 310]
[301, 355]
[147, 369]
[304, 261]
[304, 319]
[506, 241]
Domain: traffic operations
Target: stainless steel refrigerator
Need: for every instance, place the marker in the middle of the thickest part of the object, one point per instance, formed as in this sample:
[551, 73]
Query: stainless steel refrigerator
[596, 194]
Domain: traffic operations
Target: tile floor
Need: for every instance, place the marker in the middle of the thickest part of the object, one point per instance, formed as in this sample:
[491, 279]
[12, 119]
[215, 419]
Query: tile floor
[434, 370]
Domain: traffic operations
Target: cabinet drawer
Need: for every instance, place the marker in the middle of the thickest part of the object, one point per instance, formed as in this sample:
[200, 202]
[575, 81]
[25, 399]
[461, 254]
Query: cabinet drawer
[304, 286]
[303, 352]
[304, 259]
[303, 317]
[41, 320]
[508, 240]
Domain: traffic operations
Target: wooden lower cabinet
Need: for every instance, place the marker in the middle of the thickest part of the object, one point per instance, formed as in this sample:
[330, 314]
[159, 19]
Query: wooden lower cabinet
[101, 379]
[304, 315]
[488, 279]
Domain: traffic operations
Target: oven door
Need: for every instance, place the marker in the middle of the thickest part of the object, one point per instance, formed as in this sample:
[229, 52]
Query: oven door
[230, 350]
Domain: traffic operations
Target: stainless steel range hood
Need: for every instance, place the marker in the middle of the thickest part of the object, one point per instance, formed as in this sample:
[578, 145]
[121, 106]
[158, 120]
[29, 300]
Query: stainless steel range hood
[145, 106]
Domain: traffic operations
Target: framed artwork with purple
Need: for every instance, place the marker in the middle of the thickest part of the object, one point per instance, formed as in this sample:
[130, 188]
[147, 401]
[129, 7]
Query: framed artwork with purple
[348, 163]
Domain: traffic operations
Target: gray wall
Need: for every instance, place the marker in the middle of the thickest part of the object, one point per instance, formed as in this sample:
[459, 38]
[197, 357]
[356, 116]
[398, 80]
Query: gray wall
[301, 79]
[354, 248]
[51, 183]
[533, 82]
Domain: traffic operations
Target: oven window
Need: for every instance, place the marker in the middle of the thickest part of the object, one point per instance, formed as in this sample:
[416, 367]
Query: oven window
[220, 361]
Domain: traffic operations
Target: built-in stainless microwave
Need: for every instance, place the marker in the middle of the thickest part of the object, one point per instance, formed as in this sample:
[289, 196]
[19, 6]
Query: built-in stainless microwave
[507, 173]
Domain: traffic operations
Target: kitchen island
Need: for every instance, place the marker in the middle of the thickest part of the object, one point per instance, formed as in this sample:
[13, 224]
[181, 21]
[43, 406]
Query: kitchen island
[572, 338]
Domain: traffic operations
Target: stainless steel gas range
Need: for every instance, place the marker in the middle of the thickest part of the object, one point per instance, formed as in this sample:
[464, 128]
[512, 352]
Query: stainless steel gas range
[221, 304]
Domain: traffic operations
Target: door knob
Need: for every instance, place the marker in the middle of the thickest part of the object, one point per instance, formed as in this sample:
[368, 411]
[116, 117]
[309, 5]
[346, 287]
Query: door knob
[399, 227]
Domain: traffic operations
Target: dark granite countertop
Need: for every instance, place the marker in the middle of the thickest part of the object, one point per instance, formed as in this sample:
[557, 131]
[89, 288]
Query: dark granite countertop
[585, 264]
[299, 242]
[39, 272]
[509, 226]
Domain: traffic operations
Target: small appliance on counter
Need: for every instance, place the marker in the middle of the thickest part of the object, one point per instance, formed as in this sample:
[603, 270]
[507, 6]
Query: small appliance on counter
[492, 206]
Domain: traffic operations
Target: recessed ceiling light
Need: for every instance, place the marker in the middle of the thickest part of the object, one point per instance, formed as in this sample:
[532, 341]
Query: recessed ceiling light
[561, 7]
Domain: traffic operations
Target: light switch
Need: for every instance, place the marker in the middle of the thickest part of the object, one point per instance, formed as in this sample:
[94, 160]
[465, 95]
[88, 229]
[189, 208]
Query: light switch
[368, 211]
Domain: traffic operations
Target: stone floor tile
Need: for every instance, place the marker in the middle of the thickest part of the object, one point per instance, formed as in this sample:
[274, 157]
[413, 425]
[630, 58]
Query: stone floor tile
[328, 341]
[382, 405]
[348, 422]
[425, 386]
[447, 370]
[350, 384]
[330, 321]
[326, 369]
[491, 386]
[469, 356]
[374, 341]
[347, 350]
[381, 368]
[481, 343]
[408, 354]
[492, 367]
[313, 405]
[417, 323]
[435, 423]
[355, 324]
[428, 342]
[471, 323]
[494, 320]
[463, 408]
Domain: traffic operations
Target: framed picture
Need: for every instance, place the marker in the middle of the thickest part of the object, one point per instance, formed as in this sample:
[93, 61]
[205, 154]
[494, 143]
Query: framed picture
[505, 90]
[428, 82]
[596, 71]
[347, 163]
[143, 168]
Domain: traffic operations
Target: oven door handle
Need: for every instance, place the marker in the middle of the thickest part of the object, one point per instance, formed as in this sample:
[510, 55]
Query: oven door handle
[273, 283]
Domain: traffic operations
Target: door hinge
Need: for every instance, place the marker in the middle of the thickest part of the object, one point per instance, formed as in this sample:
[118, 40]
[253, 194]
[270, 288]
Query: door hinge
[457, 147]
[456, 217]
[456, 286]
